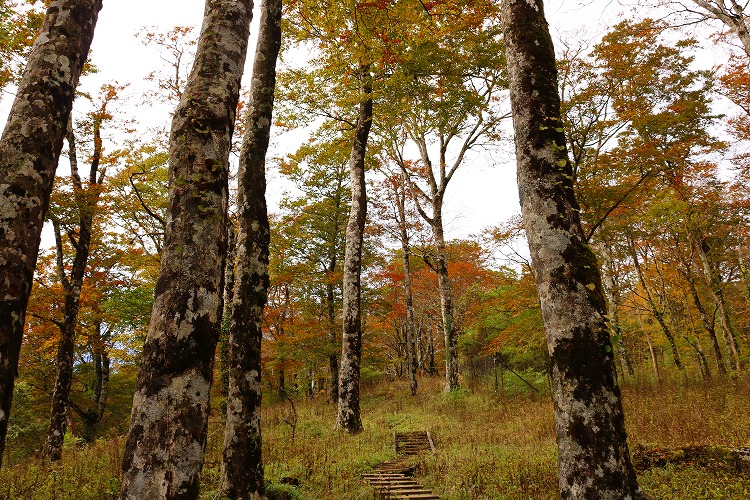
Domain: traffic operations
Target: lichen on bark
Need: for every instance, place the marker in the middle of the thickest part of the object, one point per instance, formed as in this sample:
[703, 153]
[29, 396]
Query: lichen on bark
[242, 471]
[29, 151]
[593, 456]
[349, 418]
[164, 450]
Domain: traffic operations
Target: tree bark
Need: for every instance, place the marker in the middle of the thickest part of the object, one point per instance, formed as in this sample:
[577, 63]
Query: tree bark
[732, 15]
[242, 471]
[593, 456]
[168, 426]
[446, 298]
[226, 315]
[349, 417]
[29, 151]
[411, 334]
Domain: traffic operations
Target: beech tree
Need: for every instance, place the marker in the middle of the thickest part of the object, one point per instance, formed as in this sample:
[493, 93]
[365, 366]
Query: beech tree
[29, 151]
[86, 197]
[349, 417]
[164, 450]
[444, 97]
[593, 456]
[242, 467]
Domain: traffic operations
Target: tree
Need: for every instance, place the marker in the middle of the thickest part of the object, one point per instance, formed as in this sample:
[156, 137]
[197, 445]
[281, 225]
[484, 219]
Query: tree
[242, 471]
[164, 450]
[730, 13]
[79, 232]
[314, 228]
[593, 456]
[29, 150]
[349, 417]
[393, 205]
[447, 88]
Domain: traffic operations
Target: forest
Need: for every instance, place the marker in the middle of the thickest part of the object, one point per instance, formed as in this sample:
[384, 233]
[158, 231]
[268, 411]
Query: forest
[266, 291]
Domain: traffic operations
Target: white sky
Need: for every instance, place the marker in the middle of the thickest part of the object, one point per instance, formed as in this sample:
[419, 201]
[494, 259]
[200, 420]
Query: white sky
[483, 193]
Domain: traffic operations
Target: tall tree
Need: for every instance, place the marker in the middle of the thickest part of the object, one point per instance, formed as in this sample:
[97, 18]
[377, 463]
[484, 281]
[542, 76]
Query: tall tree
[86, 197]
[448, 87]
[242, 470]
[164, 450]
[593, 456]
[29, 151]
[349, 417]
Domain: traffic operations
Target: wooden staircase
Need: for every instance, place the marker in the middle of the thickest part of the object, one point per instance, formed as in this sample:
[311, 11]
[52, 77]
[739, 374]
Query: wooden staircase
[392, 479]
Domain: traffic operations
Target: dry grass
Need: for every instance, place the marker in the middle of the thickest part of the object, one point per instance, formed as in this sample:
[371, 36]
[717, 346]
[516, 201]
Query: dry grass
[488, 447]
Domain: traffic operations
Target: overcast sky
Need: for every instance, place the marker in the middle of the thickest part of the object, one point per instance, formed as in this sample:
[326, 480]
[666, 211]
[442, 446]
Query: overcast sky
[482, 194]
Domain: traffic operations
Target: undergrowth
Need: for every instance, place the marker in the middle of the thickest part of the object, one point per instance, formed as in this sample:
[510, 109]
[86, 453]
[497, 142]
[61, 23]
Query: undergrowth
[488, 445]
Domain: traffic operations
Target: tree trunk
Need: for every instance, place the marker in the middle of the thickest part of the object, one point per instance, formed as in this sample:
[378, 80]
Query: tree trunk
[655, 311]
[349, 418]
[612, 294]
[714, 288]
[411, 334]
[226, 315]
[333, 359]
[92, 416]
[446, 300]
[708, 324]
[242, 471]
[732, 15]
[164, 451]
[744, 274]
[593, 456]
[85, 204]
[29, 151]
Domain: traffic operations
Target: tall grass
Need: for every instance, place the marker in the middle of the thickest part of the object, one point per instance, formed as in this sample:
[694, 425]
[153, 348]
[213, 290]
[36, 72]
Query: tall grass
[488, 445]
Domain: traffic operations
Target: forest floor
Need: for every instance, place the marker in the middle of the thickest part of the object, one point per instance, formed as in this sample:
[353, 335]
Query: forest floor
[488, 445]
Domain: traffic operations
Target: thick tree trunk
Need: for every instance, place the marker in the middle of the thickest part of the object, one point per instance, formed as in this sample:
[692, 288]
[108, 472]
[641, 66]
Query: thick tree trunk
[593, 456]
[242, 471]
[29, 151]
[349, 418]
[168, 426]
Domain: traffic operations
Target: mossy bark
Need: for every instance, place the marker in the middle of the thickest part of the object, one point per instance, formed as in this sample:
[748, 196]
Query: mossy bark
[29, 151]
[349, 418]
[163, 454]
[242, 468]
[593, 456]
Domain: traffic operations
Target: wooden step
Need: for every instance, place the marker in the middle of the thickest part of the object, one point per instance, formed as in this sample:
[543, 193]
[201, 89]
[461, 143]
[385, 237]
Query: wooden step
[389, 479]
